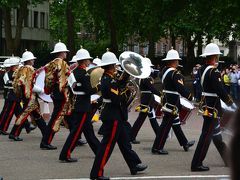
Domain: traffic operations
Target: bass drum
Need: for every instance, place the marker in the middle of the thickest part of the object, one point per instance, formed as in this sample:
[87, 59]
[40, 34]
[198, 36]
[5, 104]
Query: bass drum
[40, 83]
[186, 110]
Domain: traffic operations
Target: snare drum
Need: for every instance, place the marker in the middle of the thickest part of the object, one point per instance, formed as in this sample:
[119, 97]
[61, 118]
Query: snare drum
[40, 83]
[185, 111]
[227, 115]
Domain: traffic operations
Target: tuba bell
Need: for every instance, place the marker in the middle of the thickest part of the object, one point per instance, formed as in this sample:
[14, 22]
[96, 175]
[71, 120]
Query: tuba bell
[135, 65]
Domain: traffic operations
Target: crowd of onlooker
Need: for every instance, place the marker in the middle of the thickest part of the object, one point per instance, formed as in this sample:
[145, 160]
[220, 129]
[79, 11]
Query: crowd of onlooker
[231, 80]
[230, 77]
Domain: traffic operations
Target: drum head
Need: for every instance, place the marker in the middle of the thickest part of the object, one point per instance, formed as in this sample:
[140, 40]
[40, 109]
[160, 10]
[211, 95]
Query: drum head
[184, 102]
[40, 83]
[226, 108]
[157, 98]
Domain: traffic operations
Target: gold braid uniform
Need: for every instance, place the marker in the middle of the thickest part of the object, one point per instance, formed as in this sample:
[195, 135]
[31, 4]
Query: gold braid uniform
[56, 73]
[24, 79]
[22, 87]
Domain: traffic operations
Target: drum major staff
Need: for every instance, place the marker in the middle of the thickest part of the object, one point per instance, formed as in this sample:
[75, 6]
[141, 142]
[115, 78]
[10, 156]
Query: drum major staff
[113, 115]
[80, 119]
[173, 87]
[25, 88]
[213, 91]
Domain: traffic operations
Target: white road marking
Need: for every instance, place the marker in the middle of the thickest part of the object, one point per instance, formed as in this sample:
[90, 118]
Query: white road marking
[225, 177]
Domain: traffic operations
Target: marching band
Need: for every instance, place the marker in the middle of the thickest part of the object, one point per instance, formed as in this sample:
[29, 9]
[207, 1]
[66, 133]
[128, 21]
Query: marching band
[70, 88]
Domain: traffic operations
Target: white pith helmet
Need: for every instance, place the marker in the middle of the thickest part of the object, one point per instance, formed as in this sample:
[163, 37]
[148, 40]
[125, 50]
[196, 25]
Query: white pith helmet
[211, 49]
[172, 55]
[97, 61]
[82, 54]
[109, 58]
[13, 61]
[60, 47]
[5, 63]
[73, 60]
[27, 55]
[148, 61]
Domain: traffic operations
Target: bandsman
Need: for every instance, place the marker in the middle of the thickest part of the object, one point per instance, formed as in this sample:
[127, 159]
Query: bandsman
[173, 87]
[212, 91]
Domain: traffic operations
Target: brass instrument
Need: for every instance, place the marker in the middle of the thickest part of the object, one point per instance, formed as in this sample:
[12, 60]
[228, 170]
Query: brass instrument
[95, 76]
[135, 65]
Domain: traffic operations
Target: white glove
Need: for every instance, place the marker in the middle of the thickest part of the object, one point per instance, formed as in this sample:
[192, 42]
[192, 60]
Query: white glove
[37, 89]
[71, 80]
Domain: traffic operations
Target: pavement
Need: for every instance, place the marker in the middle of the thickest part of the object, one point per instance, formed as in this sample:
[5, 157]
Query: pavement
[25, 161]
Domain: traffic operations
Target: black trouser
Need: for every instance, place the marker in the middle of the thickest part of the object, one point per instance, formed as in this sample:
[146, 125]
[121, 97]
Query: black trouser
[169, 121]
[94, 107]
[210, 130]
[114, 132]
[41, 124]
[57, 109]
[140, 120]
[3, 113]
[10, 108]
[79, 122]
[176, 126]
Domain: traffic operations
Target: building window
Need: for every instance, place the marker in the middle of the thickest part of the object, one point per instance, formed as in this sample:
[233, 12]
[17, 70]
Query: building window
[42, 20]
[35, 20]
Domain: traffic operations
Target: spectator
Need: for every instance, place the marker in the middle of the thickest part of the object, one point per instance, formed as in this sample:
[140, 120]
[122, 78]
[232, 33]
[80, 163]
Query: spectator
[226, 80]
[234, 76]
[196, 83]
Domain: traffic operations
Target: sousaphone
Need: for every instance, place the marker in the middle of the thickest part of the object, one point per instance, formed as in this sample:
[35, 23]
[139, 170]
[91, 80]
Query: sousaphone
[135, 65]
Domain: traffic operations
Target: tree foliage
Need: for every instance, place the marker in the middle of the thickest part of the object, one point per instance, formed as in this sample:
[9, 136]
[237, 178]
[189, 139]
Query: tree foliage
[98, 24]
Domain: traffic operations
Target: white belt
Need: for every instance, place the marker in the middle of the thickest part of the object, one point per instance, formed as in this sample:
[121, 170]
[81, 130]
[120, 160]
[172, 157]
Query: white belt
[78, 92]
[146, 92]
[8, 87]
[107, 100]
[209, 94]
[171, 92]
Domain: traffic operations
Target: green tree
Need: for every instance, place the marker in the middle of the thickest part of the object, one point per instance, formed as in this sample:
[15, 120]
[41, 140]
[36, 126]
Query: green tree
[200, 18]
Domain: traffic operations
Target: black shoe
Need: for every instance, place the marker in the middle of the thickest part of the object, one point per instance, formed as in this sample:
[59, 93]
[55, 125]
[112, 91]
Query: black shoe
[47, 146]
[69, 160]
[4, 132]
[134, 141]
[30, 128]
[100, 178]
[139, 167]
[15, 138]
[159, 151]
[188, 145]
[200, 168]
[81, 142]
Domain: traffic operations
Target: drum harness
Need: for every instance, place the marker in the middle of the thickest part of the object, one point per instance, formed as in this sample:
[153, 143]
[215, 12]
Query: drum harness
[167, 107]
[204, 109]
